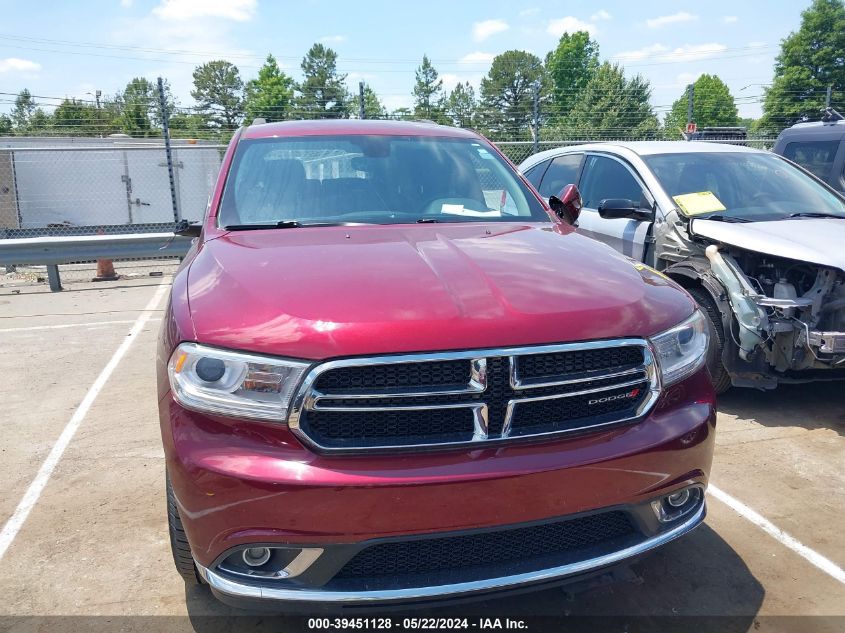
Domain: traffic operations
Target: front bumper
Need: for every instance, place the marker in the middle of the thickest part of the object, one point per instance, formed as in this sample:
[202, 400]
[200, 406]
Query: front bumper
[240, 483]
[241, 591]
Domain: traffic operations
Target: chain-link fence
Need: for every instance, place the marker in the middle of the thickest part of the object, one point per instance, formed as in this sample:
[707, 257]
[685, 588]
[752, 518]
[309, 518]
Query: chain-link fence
[54, 187]
[72, 187]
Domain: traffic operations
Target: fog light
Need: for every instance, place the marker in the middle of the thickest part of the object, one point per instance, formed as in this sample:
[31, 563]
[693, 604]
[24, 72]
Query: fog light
[678, 504]
[678, 499]
[256, 556]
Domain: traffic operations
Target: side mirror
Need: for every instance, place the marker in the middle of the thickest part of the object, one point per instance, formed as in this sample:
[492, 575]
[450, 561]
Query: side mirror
[617, 208]
[567, 205]
[188, 229]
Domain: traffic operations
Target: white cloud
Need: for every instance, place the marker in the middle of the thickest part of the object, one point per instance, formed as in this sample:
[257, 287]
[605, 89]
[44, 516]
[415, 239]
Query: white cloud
[694, 52]
[396, 101]
[477, 58]
[18, 65]
[527, 13]
[482, 30]
[237, 10]
[675, 18]
[601, 14]
[641, 53]
[126, 4]
[449, 82]
[685, 79]
[333, 39]
[569, 24]
[730, 19]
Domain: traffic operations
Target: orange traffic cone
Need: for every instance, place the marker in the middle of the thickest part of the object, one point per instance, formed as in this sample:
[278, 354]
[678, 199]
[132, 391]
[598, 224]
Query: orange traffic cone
[105, 268]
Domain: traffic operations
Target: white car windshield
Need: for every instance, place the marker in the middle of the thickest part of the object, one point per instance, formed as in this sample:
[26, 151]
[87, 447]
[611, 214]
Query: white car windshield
[313, 180]
[742, 186]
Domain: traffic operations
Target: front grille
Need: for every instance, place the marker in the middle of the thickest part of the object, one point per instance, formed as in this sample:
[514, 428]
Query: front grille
[560, 364]
[522, 545]
[434, 374]
[434, 399]
[364, 428]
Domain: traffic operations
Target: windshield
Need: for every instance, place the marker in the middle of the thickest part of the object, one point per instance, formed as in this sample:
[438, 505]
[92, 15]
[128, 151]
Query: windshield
[372, 179]
[748, 186]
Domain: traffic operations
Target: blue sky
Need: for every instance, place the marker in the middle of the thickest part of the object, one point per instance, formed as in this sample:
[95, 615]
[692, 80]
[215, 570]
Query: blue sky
[59, 49]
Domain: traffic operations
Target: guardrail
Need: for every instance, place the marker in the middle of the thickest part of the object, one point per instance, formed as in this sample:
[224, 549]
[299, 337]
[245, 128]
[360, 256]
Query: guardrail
[52, 251]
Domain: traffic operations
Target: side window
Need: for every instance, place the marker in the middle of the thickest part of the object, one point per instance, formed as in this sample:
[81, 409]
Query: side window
[535, 174]
[814, 156]
[607, 178]
[563, 171]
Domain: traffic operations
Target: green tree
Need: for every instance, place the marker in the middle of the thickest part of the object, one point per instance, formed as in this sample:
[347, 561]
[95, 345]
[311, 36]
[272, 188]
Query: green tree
[5, 124]
[192, 125]
[373, 107]
[570, 67]
[810, 60]
[322, 93]
[137, 104]
[429, 100]
[218, 91]
[270, 95]
[75, 118]
[712, 105]
[461, 105]
[507, 94]
[611, 106]
[27, 117]
[402, 114]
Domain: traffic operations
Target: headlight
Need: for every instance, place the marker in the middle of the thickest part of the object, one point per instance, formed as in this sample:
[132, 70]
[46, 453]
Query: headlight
[681, 350]
[232, 383]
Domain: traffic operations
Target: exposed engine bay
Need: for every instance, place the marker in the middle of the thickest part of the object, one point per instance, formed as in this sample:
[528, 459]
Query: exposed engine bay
[790, 312]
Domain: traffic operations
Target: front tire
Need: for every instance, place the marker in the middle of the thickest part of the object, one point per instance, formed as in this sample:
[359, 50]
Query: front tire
[179, 546]
[718, 373]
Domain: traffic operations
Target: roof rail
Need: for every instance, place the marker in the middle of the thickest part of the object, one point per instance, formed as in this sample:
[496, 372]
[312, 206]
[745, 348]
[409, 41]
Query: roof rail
[831, 116]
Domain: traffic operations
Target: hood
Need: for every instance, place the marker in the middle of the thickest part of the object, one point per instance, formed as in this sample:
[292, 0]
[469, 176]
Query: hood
[814, 240]
[324, 292]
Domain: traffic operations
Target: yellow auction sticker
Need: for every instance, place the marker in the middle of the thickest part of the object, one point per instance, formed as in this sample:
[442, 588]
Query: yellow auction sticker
[698, 203]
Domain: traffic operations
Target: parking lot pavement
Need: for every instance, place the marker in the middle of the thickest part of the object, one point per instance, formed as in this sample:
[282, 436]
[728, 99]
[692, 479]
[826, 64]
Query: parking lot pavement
[97, 526]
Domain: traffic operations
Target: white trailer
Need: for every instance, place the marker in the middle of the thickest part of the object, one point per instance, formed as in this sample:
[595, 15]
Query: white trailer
[53, 183]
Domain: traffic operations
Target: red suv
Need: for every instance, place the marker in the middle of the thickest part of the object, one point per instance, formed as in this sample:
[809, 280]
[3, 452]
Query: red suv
[390, 372]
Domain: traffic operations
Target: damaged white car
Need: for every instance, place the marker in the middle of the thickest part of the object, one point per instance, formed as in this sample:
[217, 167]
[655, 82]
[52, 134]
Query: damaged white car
[758, 241]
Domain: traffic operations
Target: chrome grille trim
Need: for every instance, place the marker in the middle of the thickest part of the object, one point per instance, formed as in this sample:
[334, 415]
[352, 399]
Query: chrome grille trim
[308, 398]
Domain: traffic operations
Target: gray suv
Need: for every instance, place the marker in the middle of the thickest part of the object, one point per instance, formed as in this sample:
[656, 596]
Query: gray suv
[819, 147]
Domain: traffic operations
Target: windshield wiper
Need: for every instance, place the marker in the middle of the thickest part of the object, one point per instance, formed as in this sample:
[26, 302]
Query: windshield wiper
[284, 224]
[815, 214]
[724, 218]
[427, 220]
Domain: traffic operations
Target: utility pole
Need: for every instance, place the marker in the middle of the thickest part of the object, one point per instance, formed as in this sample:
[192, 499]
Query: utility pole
[361, 113]
[690, 96]
[165, 124]
[535, 123]
[827, 96]
[97, 95]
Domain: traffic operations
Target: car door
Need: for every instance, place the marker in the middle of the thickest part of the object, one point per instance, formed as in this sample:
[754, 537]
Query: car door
[603, 177]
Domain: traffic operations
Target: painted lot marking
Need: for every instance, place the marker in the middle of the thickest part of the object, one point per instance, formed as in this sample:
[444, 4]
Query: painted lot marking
[32, 328]
[30, 497]
[814, 558]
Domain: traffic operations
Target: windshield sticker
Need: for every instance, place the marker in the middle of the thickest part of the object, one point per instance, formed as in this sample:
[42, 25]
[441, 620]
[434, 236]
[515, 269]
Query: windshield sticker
[698, 203]
[459, 209]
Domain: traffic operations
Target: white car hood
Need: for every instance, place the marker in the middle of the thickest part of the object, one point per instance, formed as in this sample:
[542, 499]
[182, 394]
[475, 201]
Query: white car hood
[815, 240]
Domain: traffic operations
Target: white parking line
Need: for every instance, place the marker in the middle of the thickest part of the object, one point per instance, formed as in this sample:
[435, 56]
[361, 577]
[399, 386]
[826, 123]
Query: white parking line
[825, 564]
[32, 328]
[30, 498]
